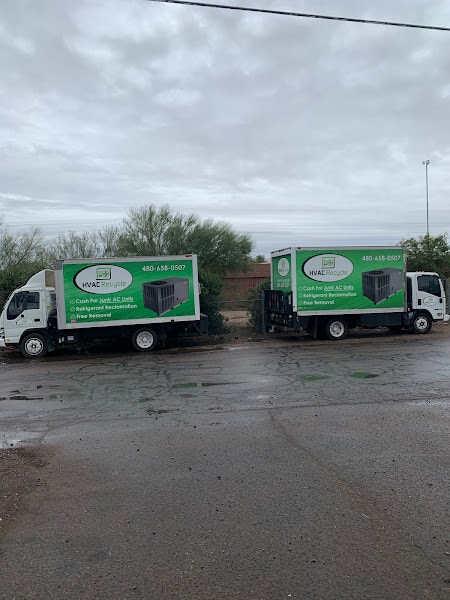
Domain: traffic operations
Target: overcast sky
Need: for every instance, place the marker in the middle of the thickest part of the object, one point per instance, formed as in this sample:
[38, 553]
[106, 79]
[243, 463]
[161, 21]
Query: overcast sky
[295, 131]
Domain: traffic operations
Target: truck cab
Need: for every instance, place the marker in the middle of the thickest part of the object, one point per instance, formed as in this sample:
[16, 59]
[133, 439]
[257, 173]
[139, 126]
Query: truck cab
[426, 299]
[26, 314]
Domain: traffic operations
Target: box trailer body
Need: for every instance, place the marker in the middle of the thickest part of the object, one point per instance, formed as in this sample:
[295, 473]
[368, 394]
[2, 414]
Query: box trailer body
[109, 297]
[329, 290]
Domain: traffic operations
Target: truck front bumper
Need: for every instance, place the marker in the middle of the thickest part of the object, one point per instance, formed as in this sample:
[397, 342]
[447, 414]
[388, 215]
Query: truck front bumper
[446, 318]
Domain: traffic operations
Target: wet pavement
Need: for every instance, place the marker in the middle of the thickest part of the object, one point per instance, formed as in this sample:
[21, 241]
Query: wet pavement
[314, 470]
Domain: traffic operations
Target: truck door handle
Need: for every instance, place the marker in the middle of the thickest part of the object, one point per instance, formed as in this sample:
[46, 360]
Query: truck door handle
[37, 320]
[419, 302]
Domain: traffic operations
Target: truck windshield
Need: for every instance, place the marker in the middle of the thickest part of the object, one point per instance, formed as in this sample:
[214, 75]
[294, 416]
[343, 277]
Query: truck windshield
[430, 284]
[22, 301]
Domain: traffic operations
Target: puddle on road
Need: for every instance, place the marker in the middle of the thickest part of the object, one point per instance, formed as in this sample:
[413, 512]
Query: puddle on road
[363, 375]
[159, 411]
[196, 384]
[21, 398]
[18, 440]
[11, 443]
[355, 375]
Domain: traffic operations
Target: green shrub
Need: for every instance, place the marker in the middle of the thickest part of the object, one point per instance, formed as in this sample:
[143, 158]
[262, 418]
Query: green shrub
[211, 288]
[255, 309]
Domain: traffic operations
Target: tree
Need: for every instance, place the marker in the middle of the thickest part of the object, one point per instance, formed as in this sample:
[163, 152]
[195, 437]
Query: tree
[260, 258]
[21, 255]
[76, 245]
[428, 253]
[220, 249]
[156, 231]
[25, 247]
[153, 231]
[108, 238]
[88, 244]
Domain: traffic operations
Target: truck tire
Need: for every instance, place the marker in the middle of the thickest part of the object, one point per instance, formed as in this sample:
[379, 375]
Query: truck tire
[33, 345]
[421, 323]
[336, 328]
[144, 339]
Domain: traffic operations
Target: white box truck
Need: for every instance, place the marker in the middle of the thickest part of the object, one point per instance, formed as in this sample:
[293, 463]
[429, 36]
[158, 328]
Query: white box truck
[328, 291]
[144, 299]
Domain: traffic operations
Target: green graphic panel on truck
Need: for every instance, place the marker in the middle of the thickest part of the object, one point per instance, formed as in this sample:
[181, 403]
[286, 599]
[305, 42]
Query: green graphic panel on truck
[352, 279]
[121, 291]
[282, 273]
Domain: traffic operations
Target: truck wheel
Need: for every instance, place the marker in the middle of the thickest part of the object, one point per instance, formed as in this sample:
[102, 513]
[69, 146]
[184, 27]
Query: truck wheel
[336, 329]
[33, 345]
[422, 323]
[144, 340]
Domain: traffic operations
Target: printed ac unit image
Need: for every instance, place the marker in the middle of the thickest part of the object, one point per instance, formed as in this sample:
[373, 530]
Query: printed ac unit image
[165, 294]
[380, 284]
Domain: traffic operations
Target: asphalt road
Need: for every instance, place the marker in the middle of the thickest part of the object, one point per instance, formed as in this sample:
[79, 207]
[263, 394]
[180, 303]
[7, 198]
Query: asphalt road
[312, 470]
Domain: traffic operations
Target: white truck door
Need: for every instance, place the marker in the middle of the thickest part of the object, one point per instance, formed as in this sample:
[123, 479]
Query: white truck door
[430, 295]
[25, 311]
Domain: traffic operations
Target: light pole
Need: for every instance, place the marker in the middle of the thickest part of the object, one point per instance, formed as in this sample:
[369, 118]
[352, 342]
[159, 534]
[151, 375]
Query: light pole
[426, 163]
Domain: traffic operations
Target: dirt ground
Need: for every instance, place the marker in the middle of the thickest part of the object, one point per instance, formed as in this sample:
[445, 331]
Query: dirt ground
[20, 467]
[19, 474]
[237, 321]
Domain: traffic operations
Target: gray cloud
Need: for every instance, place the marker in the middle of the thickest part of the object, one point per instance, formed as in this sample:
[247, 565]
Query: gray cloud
[295, 131]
